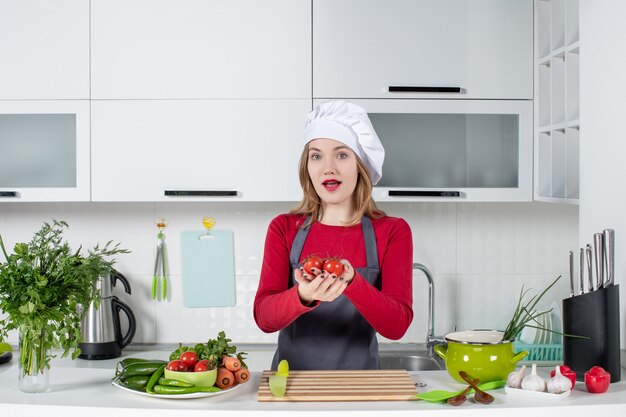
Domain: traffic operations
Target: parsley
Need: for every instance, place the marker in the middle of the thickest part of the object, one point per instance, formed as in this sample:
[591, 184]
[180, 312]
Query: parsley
[213, 350]
[42, 285]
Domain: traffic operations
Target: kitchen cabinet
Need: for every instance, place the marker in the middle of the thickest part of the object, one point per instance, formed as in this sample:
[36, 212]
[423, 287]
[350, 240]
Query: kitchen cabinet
[191, 49]
[45, 150]
[454, 150]
[557, 129]
[190, 150]
[483, 48]
[44, 45]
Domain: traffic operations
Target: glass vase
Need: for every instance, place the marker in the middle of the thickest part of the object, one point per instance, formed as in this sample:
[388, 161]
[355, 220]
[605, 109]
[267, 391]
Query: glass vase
[33, 361]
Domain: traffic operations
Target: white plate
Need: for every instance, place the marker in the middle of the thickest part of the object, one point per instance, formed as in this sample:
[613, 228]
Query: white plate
[177, 396]
[524, 393]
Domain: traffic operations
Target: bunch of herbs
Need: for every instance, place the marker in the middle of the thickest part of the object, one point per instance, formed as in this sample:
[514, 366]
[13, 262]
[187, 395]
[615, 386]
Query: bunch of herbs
[42, 285]
[212, 350]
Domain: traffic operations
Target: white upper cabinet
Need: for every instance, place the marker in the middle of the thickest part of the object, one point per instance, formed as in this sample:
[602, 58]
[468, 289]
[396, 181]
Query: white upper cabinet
[482, 48]
[44, 49]
[190, 150]
[169, 49]
[44, 146]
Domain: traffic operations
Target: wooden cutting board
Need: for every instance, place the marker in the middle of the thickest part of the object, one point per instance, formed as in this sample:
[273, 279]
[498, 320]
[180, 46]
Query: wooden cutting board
[365, 385]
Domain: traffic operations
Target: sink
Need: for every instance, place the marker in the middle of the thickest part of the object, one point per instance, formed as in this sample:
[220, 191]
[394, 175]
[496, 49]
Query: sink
[409, 361]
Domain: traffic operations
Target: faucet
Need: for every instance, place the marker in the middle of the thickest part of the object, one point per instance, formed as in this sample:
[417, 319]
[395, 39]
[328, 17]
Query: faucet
[431, 339]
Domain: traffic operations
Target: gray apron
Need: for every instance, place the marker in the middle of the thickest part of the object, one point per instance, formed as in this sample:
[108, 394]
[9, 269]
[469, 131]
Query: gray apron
[334, 335]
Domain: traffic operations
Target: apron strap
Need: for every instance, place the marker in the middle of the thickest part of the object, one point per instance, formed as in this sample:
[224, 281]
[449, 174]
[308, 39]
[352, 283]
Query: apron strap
[371, 250]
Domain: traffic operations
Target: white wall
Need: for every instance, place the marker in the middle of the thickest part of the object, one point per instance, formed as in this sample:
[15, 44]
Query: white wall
[602, 136]
[480, 254]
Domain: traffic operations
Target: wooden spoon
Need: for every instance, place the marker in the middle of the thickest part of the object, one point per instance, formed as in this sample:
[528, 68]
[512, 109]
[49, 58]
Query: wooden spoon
[480, 395]
[460, 399]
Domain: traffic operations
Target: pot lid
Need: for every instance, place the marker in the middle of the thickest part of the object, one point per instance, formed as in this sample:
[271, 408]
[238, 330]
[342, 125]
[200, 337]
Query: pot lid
[476, 337]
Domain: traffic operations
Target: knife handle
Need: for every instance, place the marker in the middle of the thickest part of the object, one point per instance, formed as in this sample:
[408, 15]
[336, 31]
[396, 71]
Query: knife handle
[571, 273]
[598, 251]
[609, 255]
[589, 267]
[581, 270]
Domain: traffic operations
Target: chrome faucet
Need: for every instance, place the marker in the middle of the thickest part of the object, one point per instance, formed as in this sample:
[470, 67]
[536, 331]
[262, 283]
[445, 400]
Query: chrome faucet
[431, 339]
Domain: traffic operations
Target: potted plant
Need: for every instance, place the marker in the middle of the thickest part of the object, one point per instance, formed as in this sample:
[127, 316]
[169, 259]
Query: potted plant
[42, 283]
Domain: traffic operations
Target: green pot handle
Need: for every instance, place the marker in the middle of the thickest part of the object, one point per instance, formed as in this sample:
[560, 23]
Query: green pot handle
[519, 356]
[442, 351]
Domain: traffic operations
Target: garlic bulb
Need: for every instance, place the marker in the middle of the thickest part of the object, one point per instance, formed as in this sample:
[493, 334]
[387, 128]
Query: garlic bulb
[534, 382]
[559, 383]
[514, 380]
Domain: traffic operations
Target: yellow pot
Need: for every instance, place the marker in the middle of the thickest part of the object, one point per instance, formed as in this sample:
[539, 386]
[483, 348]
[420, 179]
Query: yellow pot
[481, 353]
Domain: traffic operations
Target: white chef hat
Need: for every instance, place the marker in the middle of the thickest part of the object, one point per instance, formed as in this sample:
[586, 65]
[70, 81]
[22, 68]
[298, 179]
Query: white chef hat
[349, 124]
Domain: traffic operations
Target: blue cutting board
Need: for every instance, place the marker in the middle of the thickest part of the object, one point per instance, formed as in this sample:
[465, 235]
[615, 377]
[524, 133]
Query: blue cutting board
[208, 269]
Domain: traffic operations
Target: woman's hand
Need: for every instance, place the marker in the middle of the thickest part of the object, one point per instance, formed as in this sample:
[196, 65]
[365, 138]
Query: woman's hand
[323, 286]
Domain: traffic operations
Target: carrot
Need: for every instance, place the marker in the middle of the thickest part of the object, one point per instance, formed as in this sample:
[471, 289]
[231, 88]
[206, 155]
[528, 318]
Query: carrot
[242, 375]
[225, 378]
[231, 363]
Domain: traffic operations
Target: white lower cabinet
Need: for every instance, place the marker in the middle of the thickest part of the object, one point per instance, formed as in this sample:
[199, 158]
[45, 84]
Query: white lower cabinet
[44, 147]
[197, 150]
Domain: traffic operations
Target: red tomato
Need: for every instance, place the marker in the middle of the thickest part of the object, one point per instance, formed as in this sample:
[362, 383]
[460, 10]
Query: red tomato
[566, 372]
[597, 380]
[176, 366]
[333, 266]
[189, 358]
[201, 366]
[311, 262]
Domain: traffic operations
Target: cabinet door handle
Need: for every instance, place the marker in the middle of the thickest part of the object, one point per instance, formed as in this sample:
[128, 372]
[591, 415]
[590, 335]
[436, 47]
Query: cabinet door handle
[422, 89]
[9, 194]
[200, 193]
[410, 193]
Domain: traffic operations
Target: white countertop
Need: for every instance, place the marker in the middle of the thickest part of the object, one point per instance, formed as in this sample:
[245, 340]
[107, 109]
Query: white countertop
[80, 387]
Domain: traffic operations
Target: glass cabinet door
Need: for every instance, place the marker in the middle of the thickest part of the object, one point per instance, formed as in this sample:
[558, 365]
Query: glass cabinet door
[44, 148]
[469, 150]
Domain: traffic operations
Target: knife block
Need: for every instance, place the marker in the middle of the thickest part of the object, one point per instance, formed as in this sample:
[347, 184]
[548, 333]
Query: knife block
[595, 315]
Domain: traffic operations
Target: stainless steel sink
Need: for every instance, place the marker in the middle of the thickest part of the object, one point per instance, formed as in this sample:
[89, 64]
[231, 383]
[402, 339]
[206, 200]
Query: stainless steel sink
[410, 362]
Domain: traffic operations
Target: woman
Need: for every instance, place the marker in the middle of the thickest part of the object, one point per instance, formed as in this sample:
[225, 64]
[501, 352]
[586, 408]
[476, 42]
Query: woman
[328, 321]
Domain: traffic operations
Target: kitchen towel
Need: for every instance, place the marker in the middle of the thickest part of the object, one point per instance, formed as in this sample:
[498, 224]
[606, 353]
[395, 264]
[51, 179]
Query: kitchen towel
[208, 268]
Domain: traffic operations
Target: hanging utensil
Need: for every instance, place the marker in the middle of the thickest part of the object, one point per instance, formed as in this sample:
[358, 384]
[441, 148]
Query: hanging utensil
[159, 280]
[598, 250]
[609, 256]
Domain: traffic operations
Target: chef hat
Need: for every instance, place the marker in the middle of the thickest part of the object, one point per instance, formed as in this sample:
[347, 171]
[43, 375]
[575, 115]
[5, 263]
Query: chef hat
[349, 124]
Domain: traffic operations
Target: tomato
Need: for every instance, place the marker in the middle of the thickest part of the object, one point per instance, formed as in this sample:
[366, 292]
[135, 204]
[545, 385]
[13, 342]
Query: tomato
[597, 380]
[176, 366]
[333, 266]
[566, 372]
[201, 366]
[311, 262]
[189, 358]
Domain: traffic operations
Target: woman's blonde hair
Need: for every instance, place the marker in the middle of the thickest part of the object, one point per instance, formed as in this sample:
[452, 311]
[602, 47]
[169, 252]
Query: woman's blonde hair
[311, 204]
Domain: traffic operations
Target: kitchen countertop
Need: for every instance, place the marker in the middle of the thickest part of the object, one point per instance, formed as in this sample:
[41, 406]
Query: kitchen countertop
[81, 387]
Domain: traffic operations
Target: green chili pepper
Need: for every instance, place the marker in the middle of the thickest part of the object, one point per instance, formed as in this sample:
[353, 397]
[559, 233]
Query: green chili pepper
[154, 378]
[168, 390]
[137, 383]
[141, 368]
[174, 383]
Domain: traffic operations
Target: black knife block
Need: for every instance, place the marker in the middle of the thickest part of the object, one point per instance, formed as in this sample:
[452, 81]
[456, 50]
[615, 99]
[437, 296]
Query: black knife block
[595, 315]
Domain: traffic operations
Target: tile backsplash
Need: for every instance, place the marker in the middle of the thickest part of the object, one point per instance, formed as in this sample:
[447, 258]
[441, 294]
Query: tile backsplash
[479, 253]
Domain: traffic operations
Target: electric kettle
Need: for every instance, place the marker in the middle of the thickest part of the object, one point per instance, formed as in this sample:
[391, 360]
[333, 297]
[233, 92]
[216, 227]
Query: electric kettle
[100, 327]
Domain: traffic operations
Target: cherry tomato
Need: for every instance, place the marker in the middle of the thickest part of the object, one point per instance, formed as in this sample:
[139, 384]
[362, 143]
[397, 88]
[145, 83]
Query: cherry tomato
[333, 266]
[311, 262]
[597, 380]
[566, 372]
[201, 366]
[189, 358]
[176, 366]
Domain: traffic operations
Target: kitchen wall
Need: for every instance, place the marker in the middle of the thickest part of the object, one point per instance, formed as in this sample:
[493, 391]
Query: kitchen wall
[603, 142]
[480, 254]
